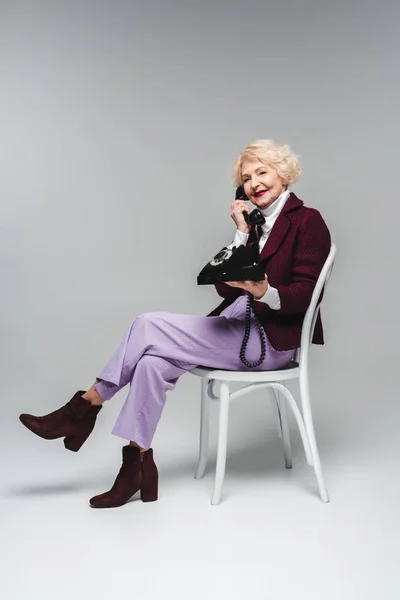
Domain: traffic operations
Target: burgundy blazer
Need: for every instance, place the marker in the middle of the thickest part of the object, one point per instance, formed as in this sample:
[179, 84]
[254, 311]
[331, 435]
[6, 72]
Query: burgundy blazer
[292, 258]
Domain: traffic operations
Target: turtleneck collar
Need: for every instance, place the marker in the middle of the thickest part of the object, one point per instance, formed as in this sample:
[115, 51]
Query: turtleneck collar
[271, 212]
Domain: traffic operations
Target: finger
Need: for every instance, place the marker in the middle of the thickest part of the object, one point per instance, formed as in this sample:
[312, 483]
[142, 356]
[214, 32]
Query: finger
[239, 205]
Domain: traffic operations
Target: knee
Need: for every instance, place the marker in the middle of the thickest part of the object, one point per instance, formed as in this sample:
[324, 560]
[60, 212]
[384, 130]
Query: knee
[142, 320]
[147, 317]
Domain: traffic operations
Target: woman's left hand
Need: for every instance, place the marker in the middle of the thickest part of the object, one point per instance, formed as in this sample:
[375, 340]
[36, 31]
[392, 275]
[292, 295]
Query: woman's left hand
[257, 288]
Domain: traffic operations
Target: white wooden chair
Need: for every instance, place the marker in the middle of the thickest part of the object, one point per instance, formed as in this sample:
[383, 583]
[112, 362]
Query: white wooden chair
[298, 369]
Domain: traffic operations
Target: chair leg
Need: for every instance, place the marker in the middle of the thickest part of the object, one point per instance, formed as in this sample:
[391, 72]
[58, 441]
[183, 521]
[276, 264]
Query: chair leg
[308, 422]
[204, 429]
[222, 442]
[283, 390]
[287, 447]
[277, 414]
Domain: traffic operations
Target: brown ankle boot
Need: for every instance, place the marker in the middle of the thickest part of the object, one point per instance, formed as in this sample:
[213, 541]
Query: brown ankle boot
[138, 472]
[74, 421]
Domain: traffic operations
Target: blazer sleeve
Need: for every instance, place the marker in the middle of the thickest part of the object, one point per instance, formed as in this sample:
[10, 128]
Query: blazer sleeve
[311, 250]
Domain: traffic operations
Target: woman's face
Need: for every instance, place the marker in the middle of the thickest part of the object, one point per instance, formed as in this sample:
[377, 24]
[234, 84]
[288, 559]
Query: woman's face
[262, 184]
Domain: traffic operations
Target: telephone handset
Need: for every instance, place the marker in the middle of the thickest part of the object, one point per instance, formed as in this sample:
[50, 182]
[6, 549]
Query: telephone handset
[255, 217]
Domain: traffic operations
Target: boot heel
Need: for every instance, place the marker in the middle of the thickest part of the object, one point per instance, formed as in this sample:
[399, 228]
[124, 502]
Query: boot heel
[149, 492]
[74, 442]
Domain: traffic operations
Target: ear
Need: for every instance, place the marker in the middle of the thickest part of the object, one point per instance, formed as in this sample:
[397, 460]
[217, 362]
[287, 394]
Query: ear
[240, 195]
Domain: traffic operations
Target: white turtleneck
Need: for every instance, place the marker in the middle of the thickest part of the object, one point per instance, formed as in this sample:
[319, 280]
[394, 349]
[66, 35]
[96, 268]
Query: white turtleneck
[270, 213]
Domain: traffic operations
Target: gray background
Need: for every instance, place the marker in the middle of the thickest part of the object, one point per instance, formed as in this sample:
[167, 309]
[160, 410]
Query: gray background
[120, 123]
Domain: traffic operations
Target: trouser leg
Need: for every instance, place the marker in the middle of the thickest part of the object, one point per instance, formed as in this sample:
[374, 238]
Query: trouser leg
[152, 378]
[189, 338]
[159, 347]
[209, 341]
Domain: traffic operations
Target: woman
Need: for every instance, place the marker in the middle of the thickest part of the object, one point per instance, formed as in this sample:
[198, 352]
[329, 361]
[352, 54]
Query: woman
[159, 347]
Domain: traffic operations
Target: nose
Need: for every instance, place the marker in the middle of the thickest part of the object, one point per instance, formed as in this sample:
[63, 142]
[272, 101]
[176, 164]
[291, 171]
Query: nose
[254, 182]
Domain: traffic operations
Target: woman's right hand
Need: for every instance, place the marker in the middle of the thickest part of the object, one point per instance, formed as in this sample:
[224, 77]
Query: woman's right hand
[237, 208]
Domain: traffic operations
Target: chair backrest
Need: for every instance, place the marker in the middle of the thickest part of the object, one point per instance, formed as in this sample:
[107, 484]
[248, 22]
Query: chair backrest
[301, 354]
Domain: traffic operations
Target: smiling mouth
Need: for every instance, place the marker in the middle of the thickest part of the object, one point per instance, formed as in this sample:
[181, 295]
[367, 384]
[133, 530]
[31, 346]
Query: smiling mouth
[261, 193]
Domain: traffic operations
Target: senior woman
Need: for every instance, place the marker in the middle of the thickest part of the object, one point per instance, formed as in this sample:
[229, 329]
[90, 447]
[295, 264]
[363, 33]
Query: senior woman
[159, 347]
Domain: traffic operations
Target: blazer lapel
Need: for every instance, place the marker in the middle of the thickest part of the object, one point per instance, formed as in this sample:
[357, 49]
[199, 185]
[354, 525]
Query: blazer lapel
[280, 228]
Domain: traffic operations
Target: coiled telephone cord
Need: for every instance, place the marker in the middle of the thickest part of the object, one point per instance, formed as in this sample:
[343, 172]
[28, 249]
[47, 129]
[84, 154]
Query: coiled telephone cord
[261, 332]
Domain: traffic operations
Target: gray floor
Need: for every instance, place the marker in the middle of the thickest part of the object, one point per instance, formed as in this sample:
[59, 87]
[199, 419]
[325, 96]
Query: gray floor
[271, 536]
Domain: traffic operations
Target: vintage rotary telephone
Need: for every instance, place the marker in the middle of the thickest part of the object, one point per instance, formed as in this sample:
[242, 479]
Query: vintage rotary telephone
[239, 264]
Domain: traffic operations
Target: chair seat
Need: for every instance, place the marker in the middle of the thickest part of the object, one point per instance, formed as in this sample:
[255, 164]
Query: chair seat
[291, 371]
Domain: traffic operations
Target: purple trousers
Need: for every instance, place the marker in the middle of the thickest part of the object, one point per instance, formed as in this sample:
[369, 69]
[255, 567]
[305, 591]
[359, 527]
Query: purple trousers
[159, 347]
